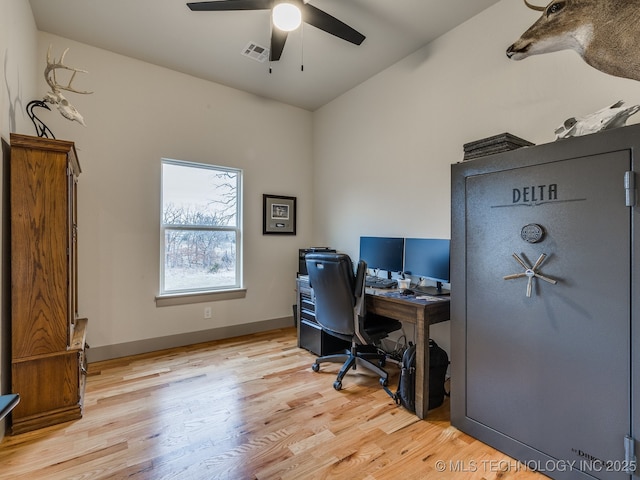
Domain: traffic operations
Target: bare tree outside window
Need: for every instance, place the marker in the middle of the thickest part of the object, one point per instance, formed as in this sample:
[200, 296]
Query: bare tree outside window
[200, 227]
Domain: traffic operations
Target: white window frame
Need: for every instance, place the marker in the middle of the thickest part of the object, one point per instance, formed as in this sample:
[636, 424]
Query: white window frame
[193, 295]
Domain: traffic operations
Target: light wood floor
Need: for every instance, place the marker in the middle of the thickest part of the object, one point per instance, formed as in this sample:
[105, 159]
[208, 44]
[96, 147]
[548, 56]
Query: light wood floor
[246, 408]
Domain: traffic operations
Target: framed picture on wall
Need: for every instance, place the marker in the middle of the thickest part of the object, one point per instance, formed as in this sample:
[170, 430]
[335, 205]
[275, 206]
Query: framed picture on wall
[278, 215]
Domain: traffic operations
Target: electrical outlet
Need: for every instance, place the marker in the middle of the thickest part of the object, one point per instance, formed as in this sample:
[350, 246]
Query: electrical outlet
[207, 312]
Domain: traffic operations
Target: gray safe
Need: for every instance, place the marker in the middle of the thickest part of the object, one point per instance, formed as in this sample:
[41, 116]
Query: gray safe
[545, 299]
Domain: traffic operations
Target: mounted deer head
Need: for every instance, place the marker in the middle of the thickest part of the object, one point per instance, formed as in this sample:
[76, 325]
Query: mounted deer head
[605, 33]
[55, 96]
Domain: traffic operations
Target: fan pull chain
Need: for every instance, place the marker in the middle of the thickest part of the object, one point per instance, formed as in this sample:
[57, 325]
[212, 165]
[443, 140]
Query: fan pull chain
[302, 47]
[270, 36]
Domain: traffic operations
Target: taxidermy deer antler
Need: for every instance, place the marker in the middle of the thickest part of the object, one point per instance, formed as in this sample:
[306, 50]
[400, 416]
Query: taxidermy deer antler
[55, 96]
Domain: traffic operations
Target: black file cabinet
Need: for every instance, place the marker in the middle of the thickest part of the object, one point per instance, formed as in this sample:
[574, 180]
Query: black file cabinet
[310, 334]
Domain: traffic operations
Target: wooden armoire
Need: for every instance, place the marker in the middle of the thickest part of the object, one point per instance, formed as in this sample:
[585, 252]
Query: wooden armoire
[47, 337]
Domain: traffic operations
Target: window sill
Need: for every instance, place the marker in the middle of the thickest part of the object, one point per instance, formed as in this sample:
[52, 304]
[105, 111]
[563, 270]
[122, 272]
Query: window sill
[200, 297]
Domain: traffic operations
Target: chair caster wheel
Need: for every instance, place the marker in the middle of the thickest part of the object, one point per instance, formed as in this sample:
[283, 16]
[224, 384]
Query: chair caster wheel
[315, 367]
[337, 385]
[384, 382]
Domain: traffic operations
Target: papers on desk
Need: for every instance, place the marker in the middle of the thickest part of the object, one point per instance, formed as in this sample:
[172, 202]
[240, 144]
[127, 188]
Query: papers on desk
[415, 298]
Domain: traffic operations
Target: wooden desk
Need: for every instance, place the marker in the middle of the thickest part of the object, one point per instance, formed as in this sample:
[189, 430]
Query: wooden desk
[422, 314]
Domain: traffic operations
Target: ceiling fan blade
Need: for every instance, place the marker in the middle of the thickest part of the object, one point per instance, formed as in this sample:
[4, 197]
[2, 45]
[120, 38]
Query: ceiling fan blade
[278, 39]
[225, 5]
[324, 21]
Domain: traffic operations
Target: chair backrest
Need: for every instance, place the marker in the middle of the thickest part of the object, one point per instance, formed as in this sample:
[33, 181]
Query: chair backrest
[337, 290]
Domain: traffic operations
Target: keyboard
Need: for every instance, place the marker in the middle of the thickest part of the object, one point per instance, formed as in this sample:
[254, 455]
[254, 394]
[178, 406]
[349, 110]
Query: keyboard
[431, 291]
[378, 282]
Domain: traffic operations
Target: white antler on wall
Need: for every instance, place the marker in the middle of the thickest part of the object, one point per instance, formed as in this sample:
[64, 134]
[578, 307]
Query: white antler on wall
[55, 96]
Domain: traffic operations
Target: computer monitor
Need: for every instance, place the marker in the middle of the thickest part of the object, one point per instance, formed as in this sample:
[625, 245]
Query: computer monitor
[428, 258]
[382, 253]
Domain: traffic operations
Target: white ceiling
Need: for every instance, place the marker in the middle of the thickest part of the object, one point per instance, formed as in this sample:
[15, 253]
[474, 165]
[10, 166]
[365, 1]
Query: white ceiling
[208, 45]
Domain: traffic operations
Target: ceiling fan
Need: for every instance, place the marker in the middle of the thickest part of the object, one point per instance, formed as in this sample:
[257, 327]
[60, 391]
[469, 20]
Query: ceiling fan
[307, 13]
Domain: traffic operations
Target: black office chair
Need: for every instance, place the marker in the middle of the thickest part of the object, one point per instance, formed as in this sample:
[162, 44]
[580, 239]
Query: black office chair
[340, 311]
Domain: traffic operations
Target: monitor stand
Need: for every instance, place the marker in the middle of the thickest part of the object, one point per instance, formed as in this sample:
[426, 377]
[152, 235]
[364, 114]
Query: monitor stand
[433, 291]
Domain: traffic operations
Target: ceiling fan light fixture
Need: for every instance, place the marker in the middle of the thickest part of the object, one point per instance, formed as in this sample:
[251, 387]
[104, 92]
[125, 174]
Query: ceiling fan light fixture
[286, 16]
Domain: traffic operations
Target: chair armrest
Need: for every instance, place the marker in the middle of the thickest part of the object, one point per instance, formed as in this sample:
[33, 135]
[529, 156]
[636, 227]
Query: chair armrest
[361, 274]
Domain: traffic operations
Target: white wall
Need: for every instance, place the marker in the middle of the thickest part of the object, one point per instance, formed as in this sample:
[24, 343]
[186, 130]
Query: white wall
[18, 40]
[138, 114]
[398, 133]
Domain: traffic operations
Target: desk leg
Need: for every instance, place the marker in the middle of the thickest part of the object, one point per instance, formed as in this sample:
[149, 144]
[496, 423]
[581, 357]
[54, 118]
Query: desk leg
[422, 365]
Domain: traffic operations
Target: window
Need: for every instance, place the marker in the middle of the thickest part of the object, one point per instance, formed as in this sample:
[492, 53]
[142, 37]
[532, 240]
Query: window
[201, 231]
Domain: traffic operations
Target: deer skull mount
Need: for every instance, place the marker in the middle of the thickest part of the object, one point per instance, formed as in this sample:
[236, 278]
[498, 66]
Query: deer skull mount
[55, 96]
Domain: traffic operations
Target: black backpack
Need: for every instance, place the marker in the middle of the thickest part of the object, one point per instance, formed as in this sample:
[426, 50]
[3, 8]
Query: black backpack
[438, 364]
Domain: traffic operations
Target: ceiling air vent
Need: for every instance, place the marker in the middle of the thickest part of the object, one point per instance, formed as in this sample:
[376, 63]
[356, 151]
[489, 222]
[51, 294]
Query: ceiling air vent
[256, 52]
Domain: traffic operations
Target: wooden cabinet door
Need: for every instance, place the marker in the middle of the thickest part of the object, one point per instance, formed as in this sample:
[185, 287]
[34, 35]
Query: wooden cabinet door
[39, 245]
